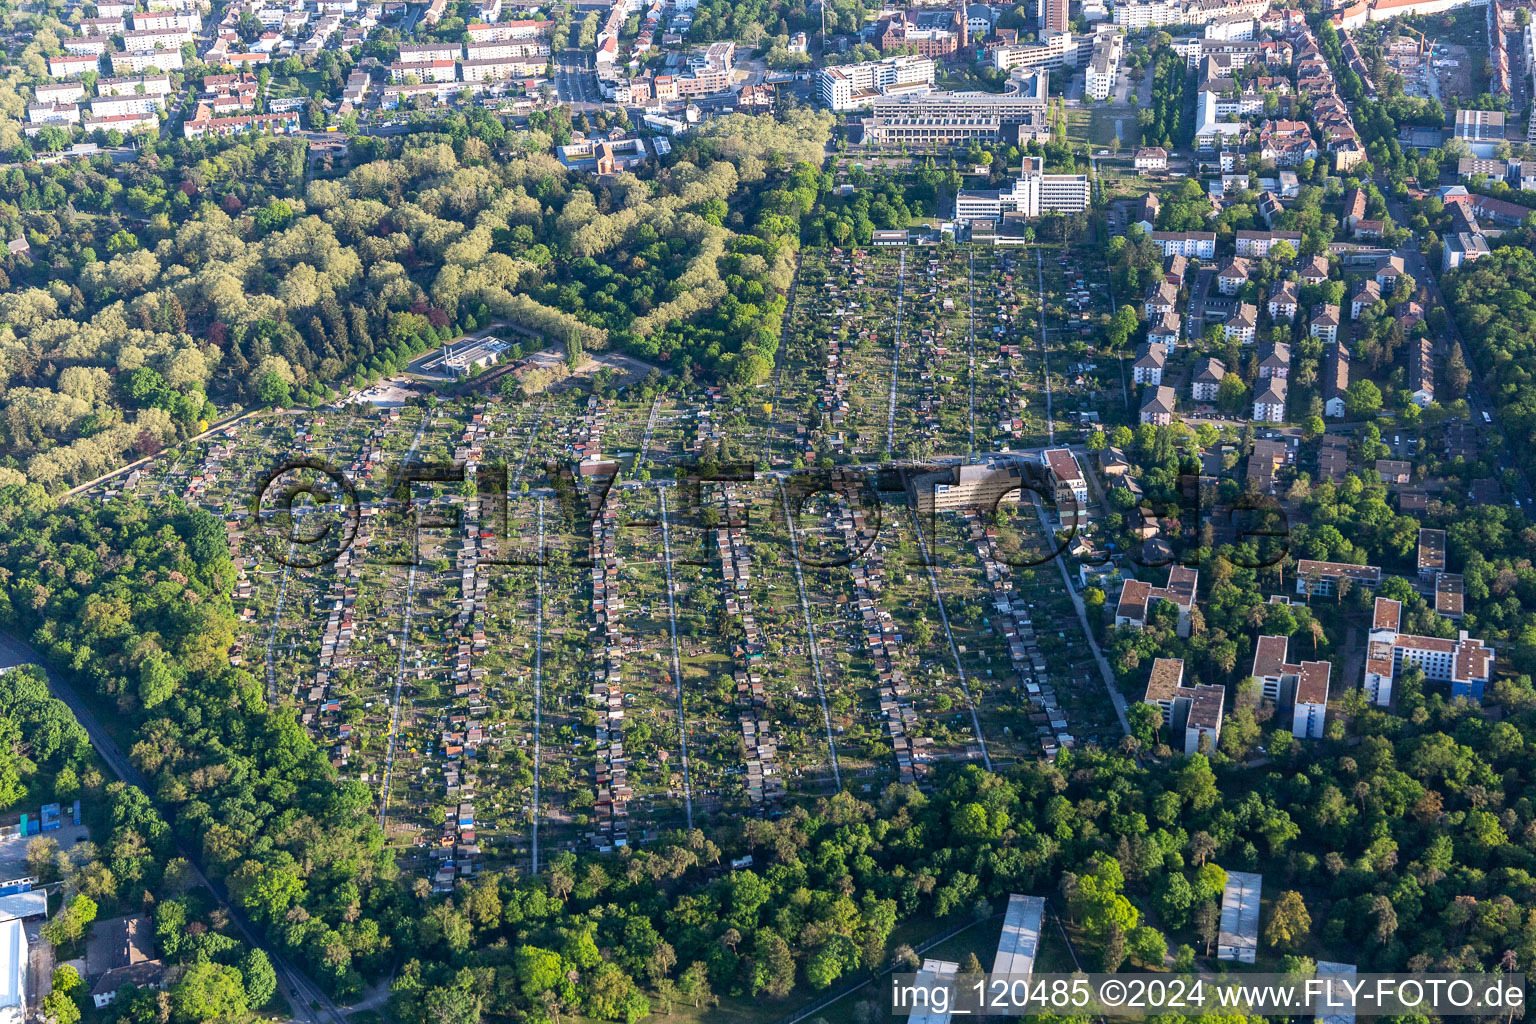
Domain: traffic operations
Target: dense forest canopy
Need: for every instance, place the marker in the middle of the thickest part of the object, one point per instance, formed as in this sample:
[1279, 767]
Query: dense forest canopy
[206, 278]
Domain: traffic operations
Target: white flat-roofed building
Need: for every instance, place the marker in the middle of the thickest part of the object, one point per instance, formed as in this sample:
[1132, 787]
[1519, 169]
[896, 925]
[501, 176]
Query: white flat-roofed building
[1055, 51]
[1322, 578]
[1328, 1009]
[850, 86]
[1239, 936]
[937, 977]
[1032, 194]
[13, 972]
[1103, 66]
[1019, 943]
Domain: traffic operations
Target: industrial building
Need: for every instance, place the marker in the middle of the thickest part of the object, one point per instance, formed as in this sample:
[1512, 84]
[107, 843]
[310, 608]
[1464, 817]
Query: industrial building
[1239, 936]
[1019, 943]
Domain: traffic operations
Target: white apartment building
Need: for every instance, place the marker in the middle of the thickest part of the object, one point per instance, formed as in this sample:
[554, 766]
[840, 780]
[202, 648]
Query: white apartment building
[140, 40]
[1189, 244]
[506, 49]
[418, 53]
[1466, 663]
[136, 62]
[94, 45]
[501, 68]
[426, 71]
[188, 21]
[1191, 713]
[850, 86]
[59, 92]
[1033, 193]
[1104, 65]
[107, 106]
[69, 64]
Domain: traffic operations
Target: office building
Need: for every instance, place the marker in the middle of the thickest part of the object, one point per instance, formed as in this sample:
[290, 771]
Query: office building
[1032, 194]
[850, 86]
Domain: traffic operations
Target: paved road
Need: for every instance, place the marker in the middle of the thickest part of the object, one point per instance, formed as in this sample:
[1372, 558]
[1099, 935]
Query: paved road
[302, 993]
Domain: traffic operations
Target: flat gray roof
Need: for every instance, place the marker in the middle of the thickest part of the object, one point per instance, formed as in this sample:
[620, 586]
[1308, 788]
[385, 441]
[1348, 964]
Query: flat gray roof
[1020, 941]
[1240, 910]
[936, 974]
[1338, 1016]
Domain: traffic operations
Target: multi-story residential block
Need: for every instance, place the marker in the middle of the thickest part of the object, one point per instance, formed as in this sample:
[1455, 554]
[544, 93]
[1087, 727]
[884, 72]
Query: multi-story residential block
[1138, 597]
[1269, 401]
[1166, 331]
[425, 71]
[1283, 301]
[1148, 367]
[1275, 360]
[1205, 383]
[1466, 663]
[1336, 382]
[1192, 244]
[1302, 688]
[1257, 244]
[1157, 405]
[137, 62]
[1366, 295]
[1242, 326]
[1321, 579]
[1324, 324]
[1070, 487]
[1192, 713]
[1233, 275]
[70, 64]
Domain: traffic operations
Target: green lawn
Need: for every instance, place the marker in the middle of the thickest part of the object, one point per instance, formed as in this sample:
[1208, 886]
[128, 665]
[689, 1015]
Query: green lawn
[1095, 126]
[288, 86]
